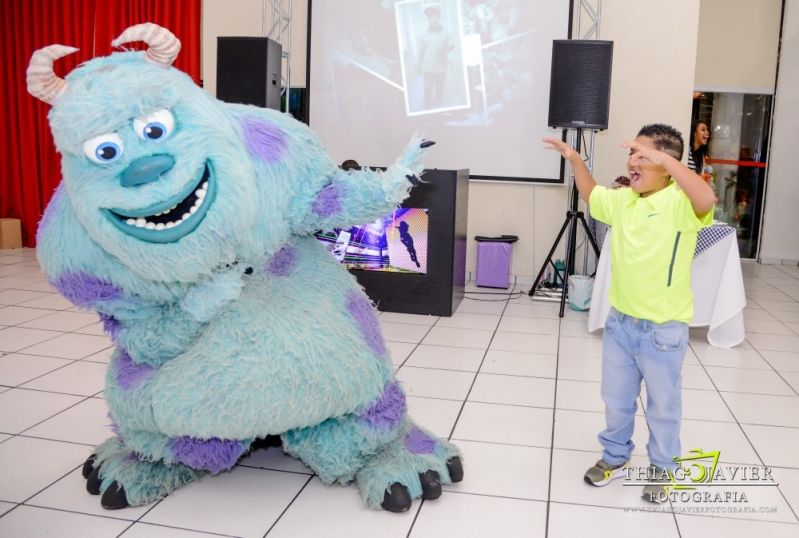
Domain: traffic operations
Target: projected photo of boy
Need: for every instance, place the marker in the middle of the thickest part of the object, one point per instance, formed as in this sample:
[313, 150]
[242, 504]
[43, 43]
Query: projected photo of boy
[434, 72]
[395, 243]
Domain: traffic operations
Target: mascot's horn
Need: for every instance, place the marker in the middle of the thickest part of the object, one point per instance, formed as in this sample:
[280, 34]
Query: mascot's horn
[42, 80]
[163, 46]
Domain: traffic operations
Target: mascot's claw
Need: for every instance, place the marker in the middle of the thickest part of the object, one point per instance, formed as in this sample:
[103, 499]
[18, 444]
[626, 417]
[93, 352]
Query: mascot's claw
[88, 466]
[114, 497]
[397, 498]
[93, 482]
[426, 143]
[455, 469]
[431, 485]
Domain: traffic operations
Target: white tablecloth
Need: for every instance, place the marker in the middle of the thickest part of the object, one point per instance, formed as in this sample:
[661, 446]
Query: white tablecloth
[716, 281]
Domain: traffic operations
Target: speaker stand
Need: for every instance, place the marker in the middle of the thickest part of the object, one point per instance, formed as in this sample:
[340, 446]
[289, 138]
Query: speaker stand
[570, 223]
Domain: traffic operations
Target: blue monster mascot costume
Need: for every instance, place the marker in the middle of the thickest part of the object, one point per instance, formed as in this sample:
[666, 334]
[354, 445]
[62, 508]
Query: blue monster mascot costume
[187, 224]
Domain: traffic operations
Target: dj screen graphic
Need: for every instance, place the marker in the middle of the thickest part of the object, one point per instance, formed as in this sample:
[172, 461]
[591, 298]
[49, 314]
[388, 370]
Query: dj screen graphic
[396, 242]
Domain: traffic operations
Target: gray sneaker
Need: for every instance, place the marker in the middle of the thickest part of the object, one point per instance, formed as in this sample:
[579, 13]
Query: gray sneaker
[602, 473]
[660, 482]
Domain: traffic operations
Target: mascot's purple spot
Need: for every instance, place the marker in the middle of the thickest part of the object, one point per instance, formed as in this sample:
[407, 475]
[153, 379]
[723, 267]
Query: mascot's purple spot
[328, 201]
[389, 410]
[418, 442]
[264, 140]
[133, 456]
[131, 374]
[361, 309]
[111, 326]
[213, 455]
[85, 290]
[283, 262]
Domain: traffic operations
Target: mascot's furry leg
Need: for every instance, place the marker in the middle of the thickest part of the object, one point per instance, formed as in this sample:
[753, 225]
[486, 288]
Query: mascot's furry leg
[141, 464]
[126, 478]
[146, 466]
[393, 460]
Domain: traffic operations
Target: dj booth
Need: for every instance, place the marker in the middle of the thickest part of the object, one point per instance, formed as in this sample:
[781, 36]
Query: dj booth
[445, 196]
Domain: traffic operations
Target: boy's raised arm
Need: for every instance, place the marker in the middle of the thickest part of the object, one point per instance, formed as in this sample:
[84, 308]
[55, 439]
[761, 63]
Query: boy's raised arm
[695, 188]
[582, 176]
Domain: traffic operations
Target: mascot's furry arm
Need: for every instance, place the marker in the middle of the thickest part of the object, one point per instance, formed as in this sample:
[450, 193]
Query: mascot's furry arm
[360, 196]
[327, 197]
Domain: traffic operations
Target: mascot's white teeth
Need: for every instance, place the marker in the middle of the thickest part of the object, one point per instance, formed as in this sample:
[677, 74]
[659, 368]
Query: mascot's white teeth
[161, 221]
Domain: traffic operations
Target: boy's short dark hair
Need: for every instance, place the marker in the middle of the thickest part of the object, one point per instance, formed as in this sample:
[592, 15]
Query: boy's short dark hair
[665, 137]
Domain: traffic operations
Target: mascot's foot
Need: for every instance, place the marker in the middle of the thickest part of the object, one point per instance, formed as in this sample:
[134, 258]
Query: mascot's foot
[123, 478]
[415, 465]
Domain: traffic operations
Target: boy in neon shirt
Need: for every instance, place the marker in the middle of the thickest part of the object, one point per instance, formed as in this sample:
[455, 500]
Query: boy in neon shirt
[655, 224]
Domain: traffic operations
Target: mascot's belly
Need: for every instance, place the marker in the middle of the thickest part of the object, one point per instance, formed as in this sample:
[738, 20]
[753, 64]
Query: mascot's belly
[287, 354]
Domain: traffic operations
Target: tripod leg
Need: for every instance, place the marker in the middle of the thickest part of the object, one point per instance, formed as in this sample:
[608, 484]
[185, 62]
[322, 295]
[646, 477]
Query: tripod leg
[549, 256]
[590, 239]
[569, 261]
[588, 234]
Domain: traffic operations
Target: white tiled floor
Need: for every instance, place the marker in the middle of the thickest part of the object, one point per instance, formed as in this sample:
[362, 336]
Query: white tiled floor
[513, 385]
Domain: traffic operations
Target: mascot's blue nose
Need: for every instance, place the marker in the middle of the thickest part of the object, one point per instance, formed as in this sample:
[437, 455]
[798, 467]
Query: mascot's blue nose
[146, 170]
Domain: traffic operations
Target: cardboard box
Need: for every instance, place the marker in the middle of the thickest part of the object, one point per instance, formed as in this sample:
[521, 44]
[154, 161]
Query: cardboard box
[10, 233]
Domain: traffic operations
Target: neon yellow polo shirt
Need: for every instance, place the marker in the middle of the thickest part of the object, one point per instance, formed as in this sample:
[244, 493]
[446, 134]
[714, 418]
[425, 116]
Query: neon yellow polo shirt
[652, 247]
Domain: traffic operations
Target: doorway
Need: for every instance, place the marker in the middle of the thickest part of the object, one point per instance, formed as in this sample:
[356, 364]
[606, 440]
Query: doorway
[736, 158]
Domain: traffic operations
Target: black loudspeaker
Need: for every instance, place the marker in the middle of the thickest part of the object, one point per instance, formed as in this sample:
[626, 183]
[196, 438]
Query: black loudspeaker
[248, 71]
[579, 91]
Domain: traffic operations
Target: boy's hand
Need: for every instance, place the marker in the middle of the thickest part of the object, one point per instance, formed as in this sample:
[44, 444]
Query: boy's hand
[582, 176]
[640, 151]
[561, 147]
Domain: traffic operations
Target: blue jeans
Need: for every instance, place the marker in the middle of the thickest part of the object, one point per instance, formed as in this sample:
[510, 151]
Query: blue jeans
[635, 349]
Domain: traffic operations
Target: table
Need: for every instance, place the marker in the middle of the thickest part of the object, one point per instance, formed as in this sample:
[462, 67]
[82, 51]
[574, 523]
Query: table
[716, 281]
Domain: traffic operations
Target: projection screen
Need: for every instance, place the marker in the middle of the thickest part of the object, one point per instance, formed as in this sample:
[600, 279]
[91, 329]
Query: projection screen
[472, 75]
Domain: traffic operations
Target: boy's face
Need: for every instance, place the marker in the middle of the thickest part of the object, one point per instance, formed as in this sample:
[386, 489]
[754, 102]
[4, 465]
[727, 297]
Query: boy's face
[645, 176]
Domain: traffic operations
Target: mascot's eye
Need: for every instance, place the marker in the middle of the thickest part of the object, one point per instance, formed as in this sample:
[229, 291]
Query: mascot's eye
[156, 126]
[104, 149]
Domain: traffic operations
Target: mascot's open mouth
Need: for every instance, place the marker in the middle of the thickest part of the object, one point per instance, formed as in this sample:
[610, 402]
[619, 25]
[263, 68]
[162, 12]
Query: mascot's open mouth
[168, 221]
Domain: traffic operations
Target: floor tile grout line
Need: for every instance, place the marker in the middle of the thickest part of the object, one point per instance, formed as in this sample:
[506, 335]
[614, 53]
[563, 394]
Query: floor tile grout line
[474, 379]
[20, 435]
[415, 517]
[59, 334]
[31, 389]
[153, 506]
[47, 312]
[57, 509]
[143, 523]
[54, 415]
[760, 354]
[284, 471]
[752, 445]
[418, 367]
[71, 470]
[592, 451]
[70, 363]
[51, 357]
[279, 517]
[415, 347]
[552, 432]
